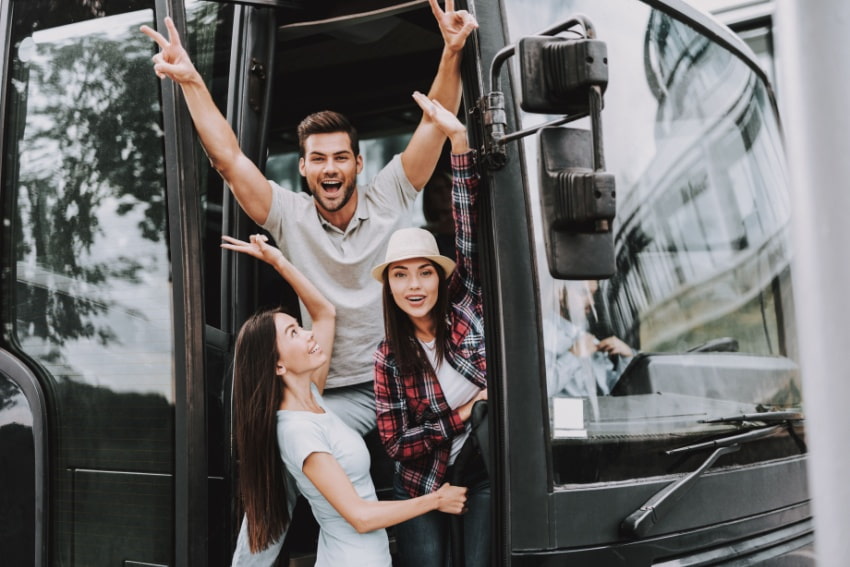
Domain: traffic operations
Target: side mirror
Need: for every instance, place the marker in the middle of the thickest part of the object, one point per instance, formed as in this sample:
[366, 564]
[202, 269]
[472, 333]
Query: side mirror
[578, 205]
[561, 75]
[558, 72]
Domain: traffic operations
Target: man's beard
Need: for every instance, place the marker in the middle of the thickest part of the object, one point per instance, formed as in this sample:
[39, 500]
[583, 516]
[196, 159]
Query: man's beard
[347, 192]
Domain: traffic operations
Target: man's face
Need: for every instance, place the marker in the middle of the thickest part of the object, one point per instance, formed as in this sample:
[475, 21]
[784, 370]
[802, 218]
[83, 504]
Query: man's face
[580, 297]
[330, 168]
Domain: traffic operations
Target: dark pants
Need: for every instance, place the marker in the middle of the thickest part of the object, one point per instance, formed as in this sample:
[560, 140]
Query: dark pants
[425, 541]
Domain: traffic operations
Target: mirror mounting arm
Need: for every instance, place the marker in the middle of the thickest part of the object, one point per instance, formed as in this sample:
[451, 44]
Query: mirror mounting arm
[491, 107]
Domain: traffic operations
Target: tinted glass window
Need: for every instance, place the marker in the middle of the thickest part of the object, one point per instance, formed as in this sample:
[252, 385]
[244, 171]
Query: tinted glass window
[17, 476]
[209, 28]
[89, 292]
[93, 293]
[697, 321]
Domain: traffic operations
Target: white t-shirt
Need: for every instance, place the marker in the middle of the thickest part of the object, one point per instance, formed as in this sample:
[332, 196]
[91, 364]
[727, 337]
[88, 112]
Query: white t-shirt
[302, 433]
[339, 262]
[456, 389]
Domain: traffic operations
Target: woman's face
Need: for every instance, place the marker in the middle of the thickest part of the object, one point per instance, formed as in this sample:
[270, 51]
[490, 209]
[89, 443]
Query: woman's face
[296, 347]
[414, 285]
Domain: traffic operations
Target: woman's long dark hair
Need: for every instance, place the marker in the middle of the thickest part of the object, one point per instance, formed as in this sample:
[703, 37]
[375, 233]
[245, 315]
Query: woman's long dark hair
[257, 394]
[399, 329]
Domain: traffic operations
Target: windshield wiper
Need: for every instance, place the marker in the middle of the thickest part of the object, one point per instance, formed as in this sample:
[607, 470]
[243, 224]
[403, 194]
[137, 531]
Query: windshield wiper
[728, 441]
[639, 522]
[766, 417]
[790, 418]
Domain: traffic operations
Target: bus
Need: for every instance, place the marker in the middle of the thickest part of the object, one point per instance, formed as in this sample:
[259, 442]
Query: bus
[634, 186]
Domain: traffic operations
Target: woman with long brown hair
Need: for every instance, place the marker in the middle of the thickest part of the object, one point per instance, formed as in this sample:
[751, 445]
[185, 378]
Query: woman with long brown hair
[431, 368]
[279, 375]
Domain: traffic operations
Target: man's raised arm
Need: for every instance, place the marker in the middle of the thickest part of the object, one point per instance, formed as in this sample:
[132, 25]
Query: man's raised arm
[422, 152]
[249, 185]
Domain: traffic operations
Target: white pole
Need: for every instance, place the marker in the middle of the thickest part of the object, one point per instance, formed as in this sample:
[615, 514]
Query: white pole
[813, 48]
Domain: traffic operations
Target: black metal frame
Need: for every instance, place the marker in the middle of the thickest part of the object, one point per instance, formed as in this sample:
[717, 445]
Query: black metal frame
[184, 226]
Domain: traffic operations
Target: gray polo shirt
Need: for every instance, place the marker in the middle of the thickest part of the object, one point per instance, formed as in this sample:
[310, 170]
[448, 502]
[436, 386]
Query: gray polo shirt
[338, 262]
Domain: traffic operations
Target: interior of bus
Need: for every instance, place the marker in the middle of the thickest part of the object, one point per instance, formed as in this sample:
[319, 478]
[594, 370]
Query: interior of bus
[363, 59]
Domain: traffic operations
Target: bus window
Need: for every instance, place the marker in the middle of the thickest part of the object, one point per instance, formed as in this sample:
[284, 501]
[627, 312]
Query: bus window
[697, 321]
[89, 298]
[18, 501]
[209, 35]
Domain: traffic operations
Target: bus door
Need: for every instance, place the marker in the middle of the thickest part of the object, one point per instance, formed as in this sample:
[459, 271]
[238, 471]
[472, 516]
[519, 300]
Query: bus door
[101, 367]
[691, 451]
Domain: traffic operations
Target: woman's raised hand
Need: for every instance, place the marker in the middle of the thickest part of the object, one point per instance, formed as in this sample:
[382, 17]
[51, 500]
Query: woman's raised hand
[451, 499]
[445, 120]
[258, 247]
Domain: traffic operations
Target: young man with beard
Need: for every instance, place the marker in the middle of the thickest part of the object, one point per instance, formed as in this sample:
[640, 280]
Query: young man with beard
[336, 235]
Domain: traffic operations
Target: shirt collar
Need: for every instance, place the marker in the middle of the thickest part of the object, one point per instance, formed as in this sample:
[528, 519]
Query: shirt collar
[361, 213]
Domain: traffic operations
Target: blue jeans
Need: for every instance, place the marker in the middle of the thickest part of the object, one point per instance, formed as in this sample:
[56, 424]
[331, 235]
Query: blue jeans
[425, 541]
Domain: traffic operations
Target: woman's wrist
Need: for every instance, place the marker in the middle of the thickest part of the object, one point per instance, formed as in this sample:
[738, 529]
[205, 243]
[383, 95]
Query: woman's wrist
[459, 142]
[465, 411]
[434, 503]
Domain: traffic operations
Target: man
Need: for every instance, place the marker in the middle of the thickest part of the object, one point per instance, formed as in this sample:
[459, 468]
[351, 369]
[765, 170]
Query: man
[338, 234]
[578, 363]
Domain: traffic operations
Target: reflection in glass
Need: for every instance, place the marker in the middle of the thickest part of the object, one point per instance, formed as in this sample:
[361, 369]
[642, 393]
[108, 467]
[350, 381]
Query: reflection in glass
[701, 304]
[91, 304]
[18, 495]
[92, 300]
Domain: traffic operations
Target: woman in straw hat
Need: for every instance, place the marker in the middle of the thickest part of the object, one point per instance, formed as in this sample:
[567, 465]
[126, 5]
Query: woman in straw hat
[430, 369]
[279, 374]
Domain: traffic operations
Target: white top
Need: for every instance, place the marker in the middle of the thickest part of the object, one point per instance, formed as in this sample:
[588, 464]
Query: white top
[456, 389]
[339, 262]
[302, 433]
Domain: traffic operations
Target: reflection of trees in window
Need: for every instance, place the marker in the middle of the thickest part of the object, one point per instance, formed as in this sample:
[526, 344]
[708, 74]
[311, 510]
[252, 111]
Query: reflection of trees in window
[45, 14]
[90, 144]
[10, 394]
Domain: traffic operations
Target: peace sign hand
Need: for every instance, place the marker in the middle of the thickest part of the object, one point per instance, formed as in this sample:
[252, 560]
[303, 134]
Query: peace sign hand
[455, 26]
[172, 61]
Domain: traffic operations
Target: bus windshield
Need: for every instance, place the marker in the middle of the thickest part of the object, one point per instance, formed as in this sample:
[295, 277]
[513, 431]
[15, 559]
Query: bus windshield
[697, 322]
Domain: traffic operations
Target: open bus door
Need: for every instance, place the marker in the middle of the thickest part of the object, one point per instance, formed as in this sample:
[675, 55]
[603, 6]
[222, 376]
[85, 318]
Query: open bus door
[102, 360]
[119, 309]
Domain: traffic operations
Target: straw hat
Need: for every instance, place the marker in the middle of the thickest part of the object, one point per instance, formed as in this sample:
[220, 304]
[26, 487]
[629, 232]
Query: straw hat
[407, 243]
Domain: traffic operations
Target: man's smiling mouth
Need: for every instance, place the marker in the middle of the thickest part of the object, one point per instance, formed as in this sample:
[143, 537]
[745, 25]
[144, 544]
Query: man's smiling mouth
[331, 186]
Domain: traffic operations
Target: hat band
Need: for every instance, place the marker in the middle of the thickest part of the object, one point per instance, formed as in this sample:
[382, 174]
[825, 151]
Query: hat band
[408, 253]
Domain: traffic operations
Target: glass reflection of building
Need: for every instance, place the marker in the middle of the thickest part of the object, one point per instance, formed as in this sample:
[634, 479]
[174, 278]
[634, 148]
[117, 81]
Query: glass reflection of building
[702, 244]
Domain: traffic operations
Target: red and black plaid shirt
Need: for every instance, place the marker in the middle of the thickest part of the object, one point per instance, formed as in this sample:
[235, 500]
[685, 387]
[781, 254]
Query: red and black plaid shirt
[415, 423]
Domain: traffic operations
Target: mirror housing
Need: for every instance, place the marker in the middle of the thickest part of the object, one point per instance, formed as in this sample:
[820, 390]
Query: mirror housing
[566, 76]
[578, 205]
[557, 73]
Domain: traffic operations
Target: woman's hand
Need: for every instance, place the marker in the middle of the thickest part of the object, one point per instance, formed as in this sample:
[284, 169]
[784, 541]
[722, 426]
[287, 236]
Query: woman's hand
[451, 499]
[465, 411]
[258, 247]
[445, 120]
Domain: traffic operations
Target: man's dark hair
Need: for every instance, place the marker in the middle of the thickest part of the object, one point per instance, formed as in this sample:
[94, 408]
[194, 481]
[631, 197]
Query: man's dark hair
[326, 122]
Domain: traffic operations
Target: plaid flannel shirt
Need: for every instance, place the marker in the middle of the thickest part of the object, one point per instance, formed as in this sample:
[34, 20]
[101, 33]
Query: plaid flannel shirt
[415, 423]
